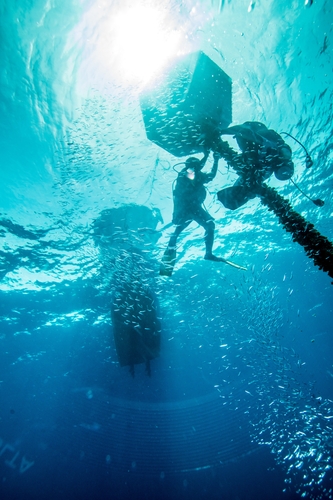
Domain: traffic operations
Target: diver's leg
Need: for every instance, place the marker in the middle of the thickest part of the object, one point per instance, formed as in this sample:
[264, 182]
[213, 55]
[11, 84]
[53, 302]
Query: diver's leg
[209, 239]
[169, 257]
[176, 233]
[206, 221]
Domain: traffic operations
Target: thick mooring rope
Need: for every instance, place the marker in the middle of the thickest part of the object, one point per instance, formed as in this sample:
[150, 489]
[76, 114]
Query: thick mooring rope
[316, 246]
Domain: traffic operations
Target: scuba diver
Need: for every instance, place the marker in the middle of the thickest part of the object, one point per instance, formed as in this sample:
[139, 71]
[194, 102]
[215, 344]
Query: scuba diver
[188, 195]
[264, 152]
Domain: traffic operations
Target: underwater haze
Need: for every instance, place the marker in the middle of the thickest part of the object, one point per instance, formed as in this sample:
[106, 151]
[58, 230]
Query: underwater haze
[239, 401]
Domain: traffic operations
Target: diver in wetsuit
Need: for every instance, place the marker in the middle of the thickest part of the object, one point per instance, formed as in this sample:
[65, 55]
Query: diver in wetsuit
[188, 196]
[264, 152]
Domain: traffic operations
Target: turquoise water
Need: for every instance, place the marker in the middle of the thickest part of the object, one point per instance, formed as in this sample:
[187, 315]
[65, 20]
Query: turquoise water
[239, 402]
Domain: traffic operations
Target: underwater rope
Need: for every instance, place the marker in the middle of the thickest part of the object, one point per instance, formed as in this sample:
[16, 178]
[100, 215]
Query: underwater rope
[316, 246]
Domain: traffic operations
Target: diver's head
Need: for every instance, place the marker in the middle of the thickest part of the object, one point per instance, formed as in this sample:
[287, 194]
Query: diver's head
[194, 164]
[284, 168]
[285, 152]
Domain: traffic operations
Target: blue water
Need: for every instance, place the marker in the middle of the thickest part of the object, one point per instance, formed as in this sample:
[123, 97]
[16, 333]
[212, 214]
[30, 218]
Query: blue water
[239, 402]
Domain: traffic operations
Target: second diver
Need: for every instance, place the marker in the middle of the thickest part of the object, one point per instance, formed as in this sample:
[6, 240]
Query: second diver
[189, 195]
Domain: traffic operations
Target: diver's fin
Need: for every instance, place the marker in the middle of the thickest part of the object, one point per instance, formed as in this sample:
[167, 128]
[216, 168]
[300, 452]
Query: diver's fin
[221, 259]
[237, 266]
[168, 262]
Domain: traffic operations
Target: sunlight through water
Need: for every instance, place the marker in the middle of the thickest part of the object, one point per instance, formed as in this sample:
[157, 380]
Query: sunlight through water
[144, 41]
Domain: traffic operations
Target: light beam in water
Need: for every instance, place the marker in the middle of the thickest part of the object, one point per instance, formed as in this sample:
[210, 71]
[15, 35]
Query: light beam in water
[143, 41]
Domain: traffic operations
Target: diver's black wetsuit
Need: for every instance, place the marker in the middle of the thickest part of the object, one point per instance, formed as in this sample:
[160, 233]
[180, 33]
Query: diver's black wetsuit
[264, 152]
[189, 195]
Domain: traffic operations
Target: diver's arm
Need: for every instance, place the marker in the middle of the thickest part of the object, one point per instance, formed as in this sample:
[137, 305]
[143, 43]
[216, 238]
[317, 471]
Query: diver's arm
[213, 172]
[204, 159]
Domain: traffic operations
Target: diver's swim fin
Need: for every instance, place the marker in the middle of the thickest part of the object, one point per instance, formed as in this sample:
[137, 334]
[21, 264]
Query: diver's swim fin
[168, 262]
[237, 266]
[221, 259]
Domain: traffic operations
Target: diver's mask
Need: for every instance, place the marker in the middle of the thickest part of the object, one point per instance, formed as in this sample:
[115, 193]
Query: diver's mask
[190, 173]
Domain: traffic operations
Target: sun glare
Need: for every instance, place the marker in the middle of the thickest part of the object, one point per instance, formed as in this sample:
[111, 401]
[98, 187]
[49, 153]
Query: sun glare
[143, 41]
